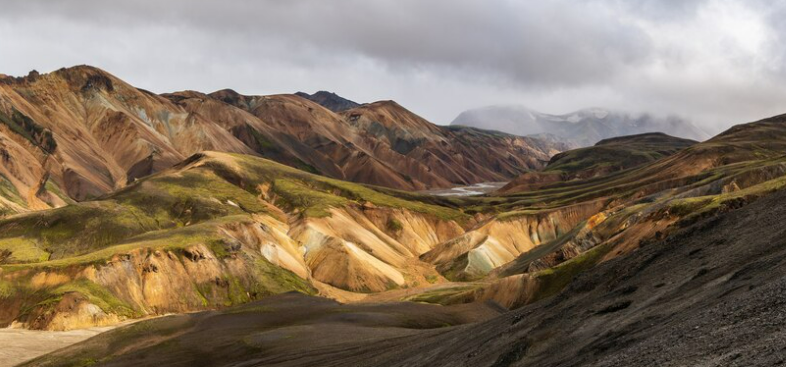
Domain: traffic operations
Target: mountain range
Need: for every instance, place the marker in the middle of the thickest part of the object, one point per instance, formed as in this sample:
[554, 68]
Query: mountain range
[270, 230]
[80, 133]
[584, 127]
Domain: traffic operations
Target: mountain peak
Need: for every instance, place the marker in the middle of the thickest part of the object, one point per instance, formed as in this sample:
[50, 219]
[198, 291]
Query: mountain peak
[329, 100]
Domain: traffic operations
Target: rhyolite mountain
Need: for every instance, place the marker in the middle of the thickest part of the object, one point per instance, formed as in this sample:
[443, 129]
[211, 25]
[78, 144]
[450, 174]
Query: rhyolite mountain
[584, 127]
[79, 133]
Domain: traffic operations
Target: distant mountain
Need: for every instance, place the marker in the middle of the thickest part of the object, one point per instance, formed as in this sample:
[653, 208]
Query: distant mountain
[584, 127]
[329, 100]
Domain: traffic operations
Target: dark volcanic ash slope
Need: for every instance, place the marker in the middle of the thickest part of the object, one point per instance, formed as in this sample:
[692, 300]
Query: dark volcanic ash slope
[288, 329]
[713, 294]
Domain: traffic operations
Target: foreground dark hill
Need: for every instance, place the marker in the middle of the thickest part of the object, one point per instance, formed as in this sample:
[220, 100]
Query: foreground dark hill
[710, 294]
[289, 329]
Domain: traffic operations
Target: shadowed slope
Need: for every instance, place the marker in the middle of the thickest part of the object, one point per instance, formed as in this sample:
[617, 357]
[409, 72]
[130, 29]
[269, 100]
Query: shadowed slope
[288, 329]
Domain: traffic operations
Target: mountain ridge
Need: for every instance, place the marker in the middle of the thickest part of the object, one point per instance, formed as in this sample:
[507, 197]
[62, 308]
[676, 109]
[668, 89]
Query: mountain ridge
[104, 133]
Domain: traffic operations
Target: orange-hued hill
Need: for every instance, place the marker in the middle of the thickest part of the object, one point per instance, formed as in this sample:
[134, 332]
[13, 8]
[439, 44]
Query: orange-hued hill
[80, 132]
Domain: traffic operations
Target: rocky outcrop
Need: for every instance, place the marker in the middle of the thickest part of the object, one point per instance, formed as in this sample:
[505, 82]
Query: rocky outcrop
[502, 239]
[146, 281]
[372, 250]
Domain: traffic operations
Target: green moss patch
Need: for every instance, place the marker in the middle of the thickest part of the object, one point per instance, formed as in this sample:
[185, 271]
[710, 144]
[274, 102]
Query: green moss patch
[23, 250]
[98, 296]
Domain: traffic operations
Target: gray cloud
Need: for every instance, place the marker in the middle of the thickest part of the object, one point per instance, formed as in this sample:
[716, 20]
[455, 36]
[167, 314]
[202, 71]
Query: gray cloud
[716, 61]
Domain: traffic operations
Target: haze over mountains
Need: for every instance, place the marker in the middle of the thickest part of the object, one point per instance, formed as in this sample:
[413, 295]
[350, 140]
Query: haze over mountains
[584, 127]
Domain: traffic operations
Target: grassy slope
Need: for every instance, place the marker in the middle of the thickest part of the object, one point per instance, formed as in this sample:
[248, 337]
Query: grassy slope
[617, 154]
[172, 212]
[180, 207]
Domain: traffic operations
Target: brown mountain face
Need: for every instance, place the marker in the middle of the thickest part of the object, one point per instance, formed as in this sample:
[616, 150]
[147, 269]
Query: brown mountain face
[384, 144]
[81, 132]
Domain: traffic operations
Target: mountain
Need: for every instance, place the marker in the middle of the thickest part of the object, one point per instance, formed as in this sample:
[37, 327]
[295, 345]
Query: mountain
[605, 157]
[329, 100]
[80, 133]
[584, 127]
[384, 144]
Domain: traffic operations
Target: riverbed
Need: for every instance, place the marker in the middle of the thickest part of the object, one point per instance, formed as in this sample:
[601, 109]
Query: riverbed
[476, 189]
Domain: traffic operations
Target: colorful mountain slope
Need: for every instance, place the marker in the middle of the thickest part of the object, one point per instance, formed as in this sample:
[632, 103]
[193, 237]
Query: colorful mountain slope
[79, 133]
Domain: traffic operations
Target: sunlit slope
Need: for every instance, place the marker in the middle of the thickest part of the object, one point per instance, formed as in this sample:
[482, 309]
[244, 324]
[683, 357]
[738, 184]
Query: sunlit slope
[223, 229]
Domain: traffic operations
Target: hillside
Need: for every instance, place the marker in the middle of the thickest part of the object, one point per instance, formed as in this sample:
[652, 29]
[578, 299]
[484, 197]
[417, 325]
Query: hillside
[605, 157]
[223, 228]
[384, 144]
[584, 127]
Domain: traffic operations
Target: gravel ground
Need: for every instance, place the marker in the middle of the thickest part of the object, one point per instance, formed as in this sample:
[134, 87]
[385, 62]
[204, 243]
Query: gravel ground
[19, 345]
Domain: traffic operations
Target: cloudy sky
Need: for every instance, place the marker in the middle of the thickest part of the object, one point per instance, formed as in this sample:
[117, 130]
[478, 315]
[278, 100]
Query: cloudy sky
[717, 62]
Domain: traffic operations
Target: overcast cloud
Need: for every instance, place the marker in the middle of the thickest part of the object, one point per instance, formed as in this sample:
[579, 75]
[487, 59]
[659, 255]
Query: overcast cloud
[717, 62]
